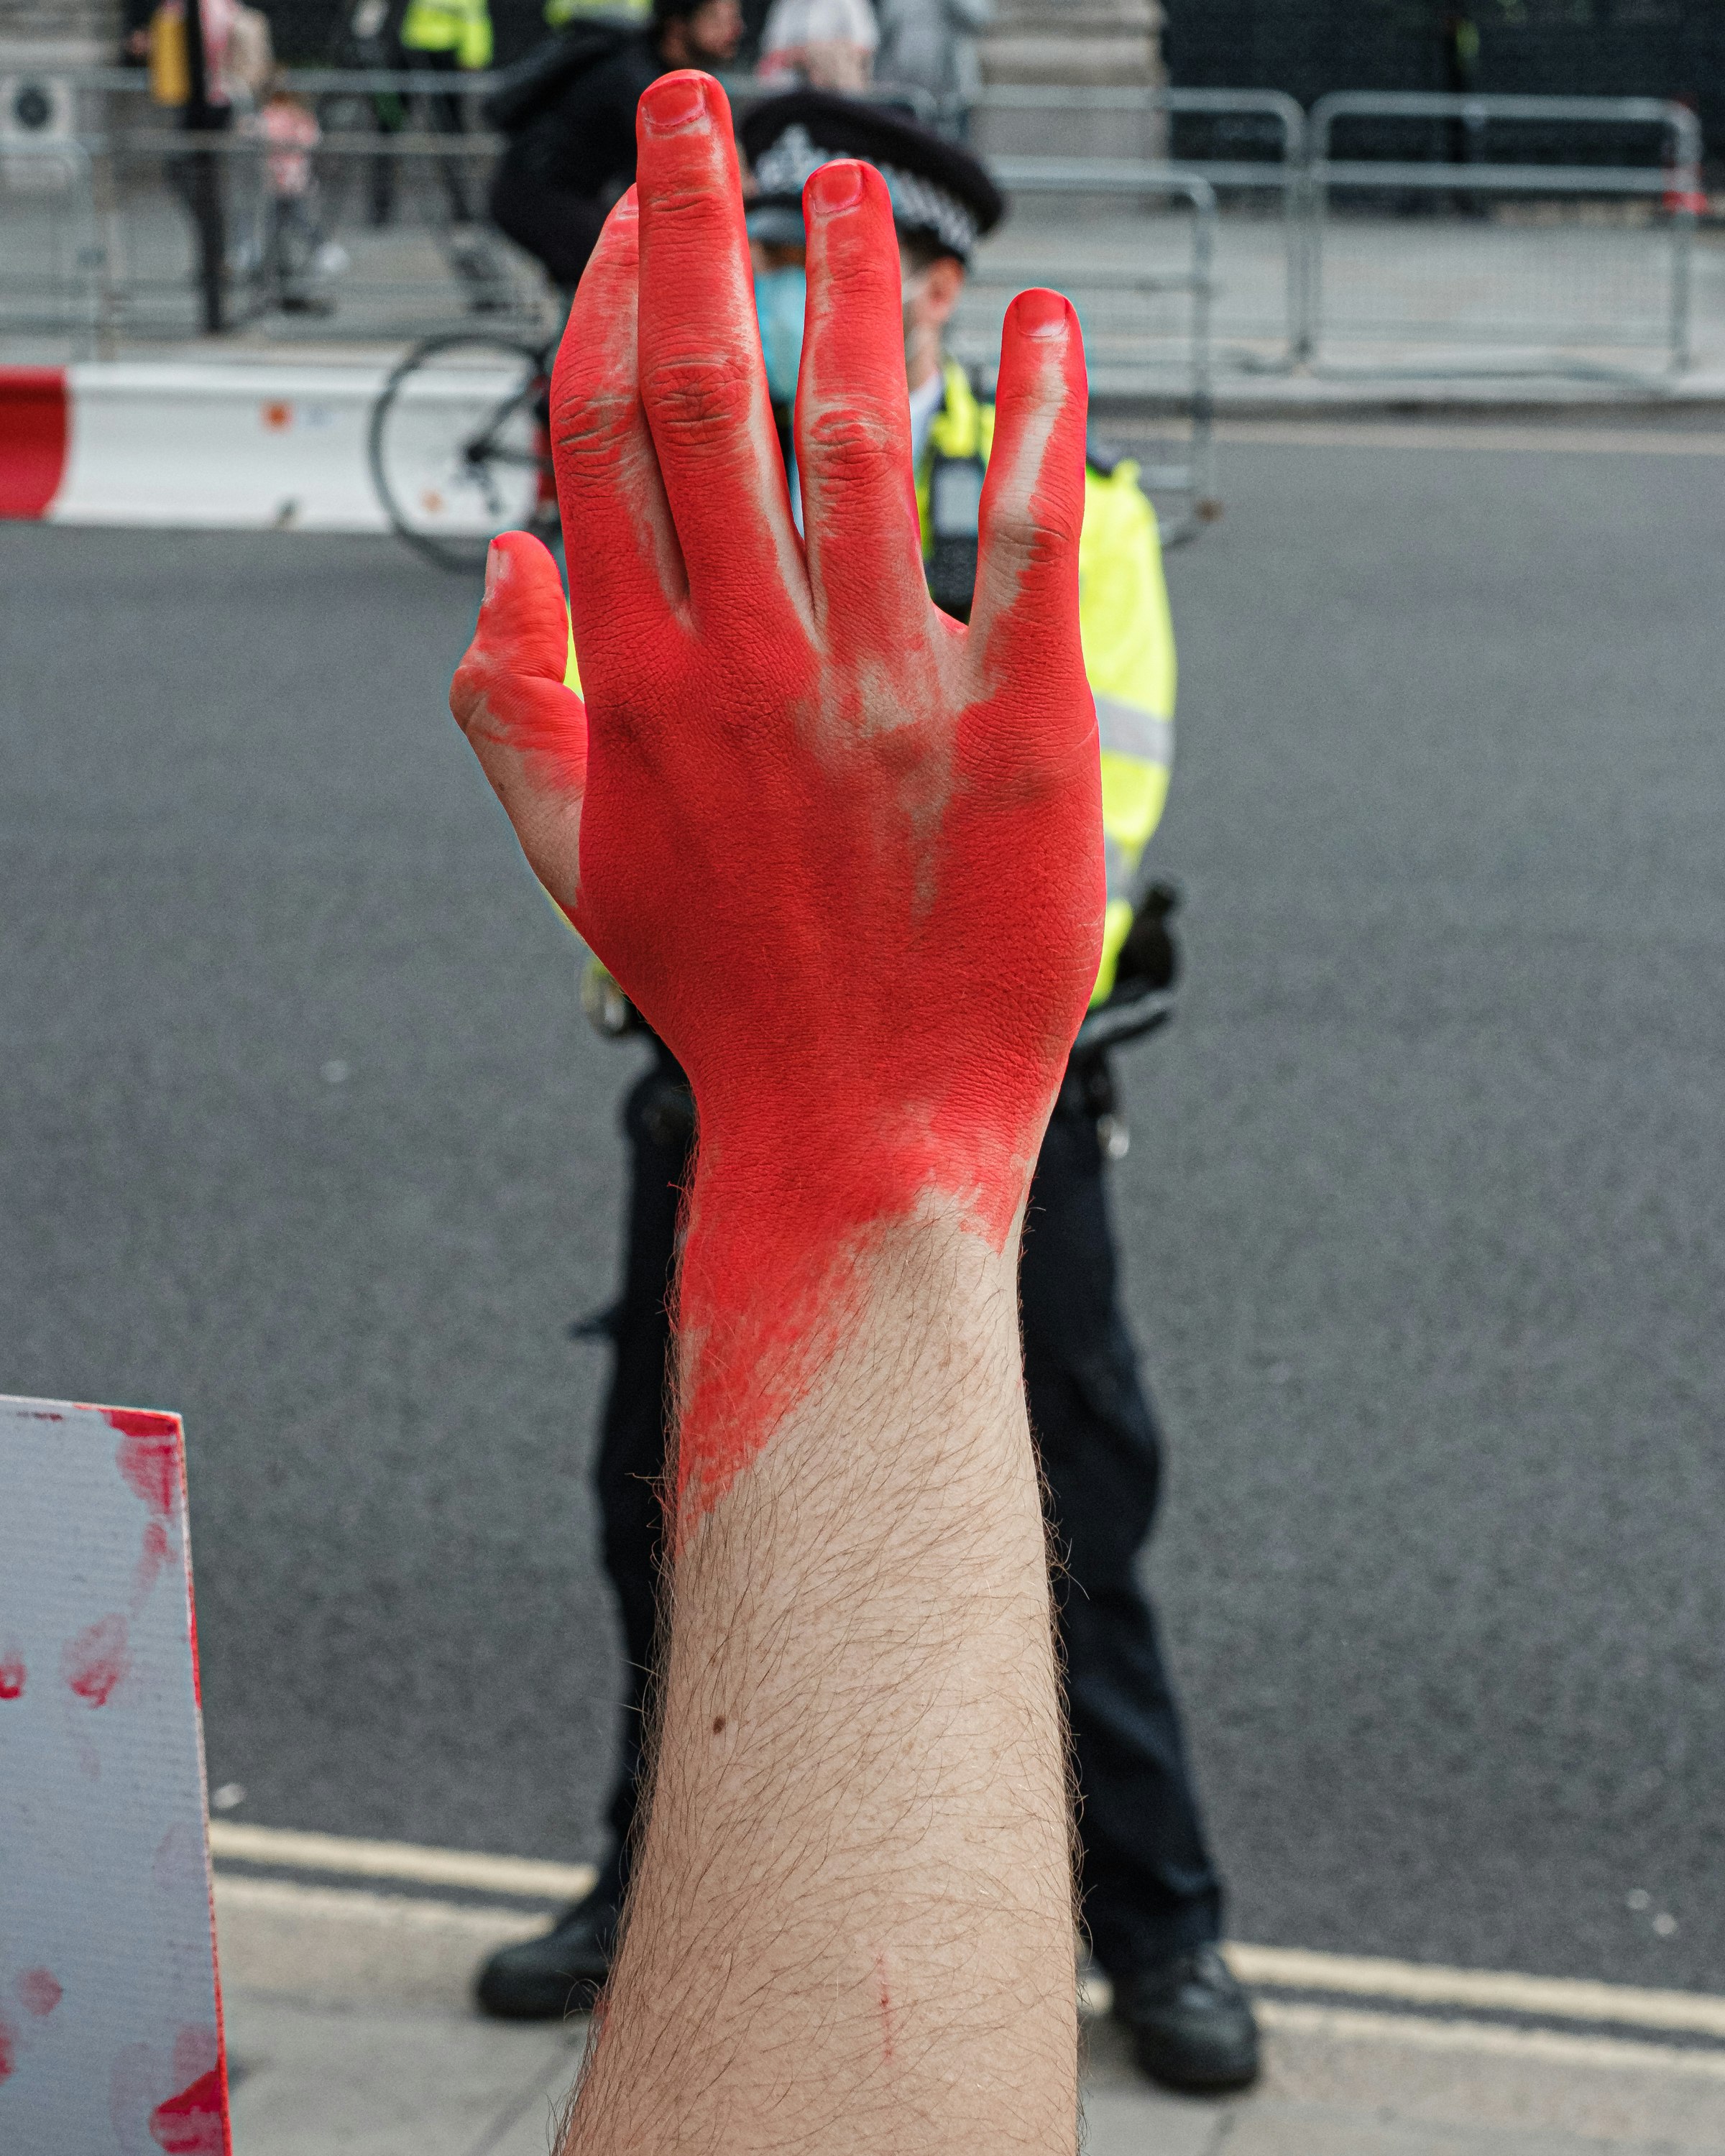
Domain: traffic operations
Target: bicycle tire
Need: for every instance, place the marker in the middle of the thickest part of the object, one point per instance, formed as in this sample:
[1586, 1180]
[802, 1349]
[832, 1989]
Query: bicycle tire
[456, 460]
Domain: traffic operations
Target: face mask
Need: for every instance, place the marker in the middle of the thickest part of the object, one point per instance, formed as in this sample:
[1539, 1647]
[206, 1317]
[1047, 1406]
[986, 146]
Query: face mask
[912, 288]
[780, 296]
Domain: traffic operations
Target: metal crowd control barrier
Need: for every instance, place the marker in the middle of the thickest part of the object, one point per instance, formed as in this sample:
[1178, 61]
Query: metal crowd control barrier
[51, 282]
[1587, 262]
[1255, 255]
[1563, 293]
[432, 263]
[393, 242]
[1144, 309]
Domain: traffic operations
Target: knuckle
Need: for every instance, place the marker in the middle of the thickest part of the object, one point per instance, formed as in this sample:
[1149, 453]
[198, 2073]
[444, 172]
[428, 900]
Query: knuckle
[1024, 544]
[853, 440]
[852, 272]
[684, 199]
[467, 691]
[698, 403]
[589, 430]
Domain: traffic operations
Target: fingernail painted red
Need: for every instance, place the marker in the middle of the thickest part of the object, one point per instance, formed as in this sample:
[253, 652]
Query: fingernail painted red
[1039, 313]
[673, 103]
[838, 187]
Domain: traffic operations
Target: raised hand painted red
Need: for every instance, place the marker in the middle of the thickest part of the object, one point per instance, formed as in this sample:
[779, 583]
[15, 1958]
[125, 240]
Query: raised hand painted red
[843, 854]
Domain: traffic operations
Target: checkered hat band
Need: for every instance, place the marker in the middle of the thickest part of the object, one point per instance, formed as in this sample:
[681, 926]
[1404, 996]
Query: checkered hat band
[918, 204]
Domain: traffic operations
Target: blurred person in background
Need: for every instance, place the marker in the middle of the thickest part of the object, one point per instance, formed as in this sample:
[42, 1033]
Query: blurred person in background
[829, 44]
[445, 40]
[298, 255]
[237, 55]
[572, 129]
[238, 61]
[1153, 1900]
[930, 46]
[369, 47]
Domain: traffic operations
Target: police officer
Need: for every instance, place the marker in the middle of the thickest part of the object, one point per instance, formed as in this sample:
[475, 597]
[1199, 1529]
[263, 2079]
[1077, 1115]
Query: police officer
[1151, 1898]
[447, 39]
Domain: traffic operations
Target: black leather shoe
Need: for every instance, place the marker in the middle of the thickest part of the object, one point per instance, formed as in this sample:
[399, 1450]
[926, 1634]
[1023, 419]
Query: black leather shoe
[1193, 2027]
[559, 1973]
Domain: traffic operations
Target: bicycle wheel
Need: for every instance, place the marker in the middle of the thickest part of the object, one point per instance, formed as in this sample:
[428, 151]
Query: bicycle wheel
[458, 445]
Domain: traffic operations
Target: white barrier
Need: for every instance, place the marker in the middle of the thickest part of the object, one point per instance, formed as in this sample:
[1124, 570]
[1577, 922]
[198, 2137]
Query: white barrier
[229, 447]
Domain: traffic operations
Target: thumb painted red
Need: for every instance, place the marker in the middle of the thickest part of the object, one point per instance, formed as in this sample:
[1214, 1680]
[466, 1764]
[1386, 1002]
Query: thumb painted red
[845, 855]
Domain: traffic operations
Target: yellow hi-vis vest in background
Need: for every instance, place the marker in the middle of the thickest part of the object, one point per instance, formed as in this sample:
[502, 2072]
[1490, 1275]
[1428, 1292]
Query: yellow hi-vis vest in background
[461, 27]
[560, 14]
[1128, 638]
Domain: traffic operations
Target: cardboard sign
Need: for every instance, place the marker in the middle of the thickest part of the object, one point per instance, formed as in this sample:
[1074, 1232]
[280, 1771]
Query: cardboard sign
[111, 2018]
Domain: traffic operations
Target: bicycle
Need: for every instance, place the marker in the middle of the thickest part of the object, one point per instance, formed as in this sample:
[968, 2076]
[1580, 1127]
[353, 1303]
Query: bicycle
[460, 447]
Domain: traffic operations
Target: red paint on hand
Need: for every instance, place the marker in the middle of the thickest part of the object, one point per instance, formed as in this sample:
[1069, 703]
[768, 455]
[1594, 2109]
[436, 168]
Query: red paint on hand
[149, 1456]
[40, 1990]
[94, 1662]
[191, 2123]
[11, 1674]
[843, 854]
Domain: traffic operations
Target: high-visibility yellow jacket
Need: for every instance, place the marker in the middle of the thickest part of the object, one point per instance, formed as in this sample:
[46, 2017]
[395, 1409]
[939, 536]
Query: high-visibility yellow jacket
[560, 14]
[1128, 637]
[461, 27]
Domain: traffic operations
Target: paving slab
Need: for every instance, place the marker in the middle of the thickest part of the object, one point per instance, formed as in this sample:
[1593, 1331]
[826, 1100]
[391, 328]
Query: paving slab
[352, 2028]
[382, 2082]
[338, 1946]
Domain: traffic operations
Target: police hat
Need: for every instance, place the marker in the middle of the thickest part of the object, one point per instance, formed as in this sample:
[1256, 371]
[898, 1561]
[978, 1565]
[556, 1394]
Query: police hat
[939, 191]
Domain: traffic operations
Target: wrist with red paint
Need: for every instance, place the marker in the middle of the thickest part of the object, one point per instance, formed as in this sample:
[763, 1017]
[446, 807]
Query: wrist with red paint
[784, 1236]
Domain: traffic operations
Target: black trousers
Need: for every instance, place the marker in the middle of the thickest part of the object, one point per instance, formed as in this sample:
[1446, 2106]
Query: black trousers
[1150, 1889]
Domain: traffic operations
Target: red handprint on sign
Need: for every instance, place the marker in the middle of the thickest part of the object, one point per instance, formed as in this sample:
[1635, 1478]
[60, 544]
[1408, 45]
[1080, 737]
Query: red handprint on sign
[844, 855]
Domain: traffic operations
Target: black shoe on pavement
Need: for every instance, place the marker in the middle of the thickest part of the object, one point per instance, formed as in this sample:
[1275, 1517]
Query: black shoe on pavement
[559, 1973]
[1192, 2025]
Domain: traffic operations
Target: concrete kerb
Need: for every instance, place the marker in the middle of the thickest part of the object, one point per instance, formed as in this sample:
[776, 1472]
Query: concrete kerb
[350, 2020]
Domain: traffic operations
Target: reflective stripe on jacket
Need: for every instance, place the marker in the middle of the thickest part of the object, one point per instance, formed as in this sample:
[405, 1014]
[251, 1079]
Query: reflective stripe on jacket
[1128, 638]
[461, 27]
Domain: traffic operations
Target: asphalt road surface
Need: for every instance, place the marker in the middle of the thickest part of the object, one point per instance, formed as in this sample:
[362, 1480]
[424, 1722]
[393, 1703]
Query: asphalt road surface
[304, 1136]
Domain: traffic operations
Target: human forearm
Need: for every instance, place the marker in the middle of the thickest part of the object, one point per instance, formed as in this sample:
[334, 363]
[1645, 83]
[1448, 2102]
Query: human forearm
[845, 857]
[859, 1761]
